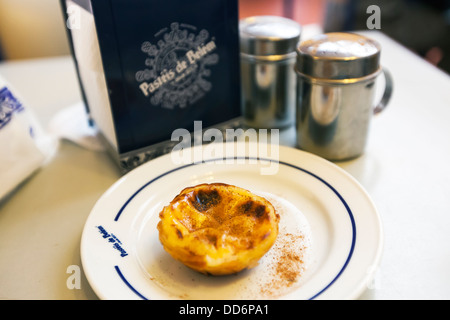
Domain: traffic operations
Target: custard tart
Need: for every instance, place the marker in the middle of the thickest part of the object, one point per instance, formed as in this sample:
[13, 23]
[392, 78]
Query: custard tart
[218, 229]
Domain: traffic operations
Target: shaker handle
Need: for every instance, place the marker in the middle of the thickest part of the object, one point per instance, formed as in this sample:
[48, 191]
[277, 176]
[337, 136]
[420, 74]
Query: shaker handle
[389, 87]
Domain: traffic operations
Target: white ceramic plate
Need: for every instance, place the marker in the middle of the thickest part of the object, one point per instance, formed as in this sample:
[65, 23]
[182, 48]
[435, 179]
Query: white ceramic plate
[329, 245]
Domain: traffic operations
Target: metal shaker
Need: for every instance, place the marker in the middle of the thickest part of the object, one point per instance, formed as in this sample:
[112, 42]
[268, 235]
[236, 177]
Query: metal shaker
[268, 45]
[337, 75]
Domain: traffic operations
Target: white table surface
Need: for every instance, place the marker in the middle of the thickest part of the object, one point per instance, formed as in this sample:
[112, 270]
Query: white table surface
[406, 170]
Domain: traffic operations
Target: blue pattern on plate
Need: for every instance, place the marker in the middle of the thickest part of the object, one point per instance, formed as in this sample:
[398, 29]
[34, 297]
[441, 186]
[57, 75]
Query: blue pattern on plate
[8, 106]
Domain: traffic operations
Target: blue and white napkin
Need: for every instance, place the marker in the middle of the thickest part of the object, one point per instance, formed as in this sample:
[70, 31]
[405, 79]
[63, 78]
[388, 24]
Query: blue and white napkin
[24, 147]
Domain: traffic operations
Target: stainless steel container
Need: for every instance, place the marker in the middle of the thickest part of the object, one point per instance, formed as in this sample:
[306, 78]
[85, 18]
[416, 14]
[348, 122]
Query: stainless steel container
[268, 45]
[337, 74]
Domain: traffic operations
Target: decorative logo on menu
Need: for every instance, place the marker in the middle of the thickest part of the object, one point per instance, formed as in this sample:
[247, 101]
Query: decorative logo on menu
[178, 66]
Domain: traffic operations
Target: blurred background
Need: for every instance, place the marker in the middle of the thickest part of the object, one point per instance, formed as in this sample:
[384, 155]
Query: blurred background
[35, 28]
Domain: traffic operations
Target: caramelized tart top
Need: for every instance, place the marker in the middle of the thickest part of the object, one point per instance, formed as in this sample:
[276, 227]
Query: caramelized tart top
[218, 228]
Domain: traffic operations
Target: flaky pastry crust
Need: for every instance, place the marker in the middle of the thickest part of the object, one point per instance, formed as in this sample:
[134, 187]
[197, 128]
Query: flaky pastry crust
[217, 228]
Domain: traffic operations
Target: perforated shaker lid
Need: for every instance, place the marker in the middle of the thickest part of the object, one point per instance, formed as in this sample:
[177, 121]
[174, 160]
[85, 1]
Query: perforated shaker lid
[269, 35]
[338, 56]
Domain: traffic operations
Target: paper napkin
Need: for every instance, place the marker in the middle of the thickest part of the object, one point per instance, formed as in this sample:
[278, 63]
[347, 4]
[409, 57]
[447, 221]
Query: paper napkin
[24, 148]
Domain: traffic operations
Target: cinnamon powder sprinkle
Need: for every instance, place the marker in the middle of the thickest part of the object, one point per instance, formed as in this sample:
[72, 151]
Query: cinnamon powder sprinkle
[286, 266]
